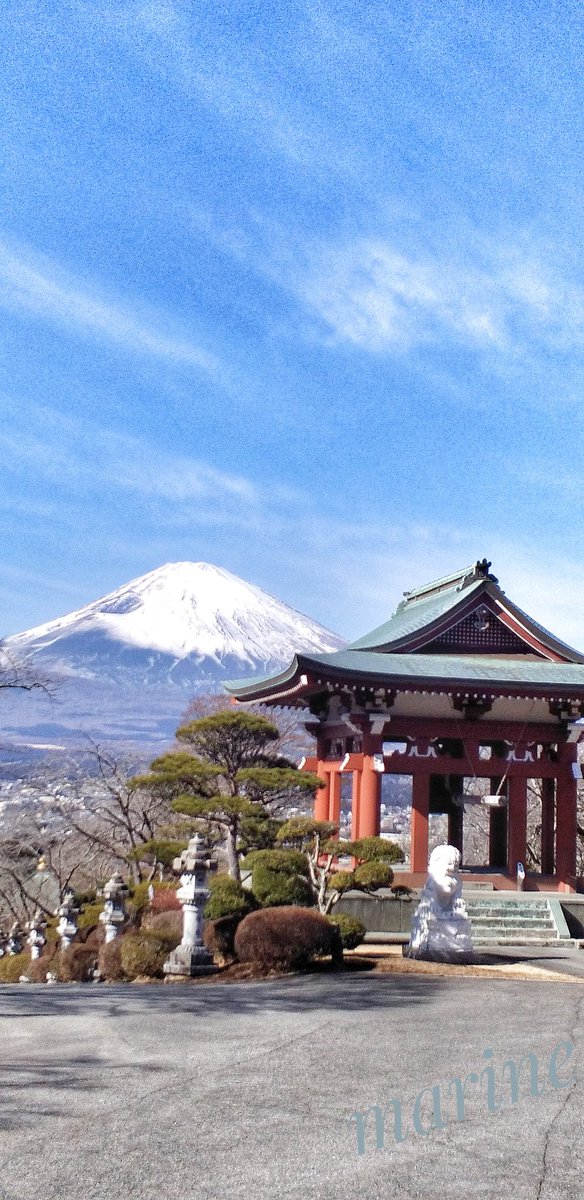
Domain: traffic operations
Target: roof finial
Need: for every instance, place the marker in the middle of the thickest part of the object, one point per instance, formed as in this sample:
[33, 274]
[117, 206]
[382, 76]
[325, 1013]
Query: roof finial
[482, 570]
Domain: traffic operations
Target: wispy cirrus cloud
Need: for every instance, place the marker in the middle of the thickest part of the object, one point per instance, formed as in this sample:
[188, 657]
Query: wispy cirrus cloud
[81, 457]
[34, 285]
[379, 295]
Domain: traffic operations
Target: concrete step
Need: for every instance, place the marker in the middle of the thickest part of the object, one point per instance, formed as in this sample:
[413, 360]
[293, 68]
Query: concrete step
[533, 943]
[514, 922]
[523, 935]
[519, 922]
[524, 905]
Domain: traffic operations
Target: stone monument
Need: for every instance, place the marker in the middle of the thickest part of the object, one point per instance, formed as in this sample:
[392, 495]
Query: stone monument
[36, 934]
[67, 926]
[441, 930]
[114, 914]
[191, 957]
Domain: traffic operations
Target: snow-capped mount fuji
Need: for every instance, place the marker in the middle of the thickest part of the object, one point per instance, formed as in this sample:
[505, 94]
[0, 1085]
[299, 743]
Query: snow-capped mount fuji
[136, 655]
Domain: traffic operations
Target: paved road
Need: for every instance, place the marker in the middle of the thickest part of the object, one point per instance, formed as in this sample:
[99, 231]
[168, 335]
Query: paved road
[243, 1091]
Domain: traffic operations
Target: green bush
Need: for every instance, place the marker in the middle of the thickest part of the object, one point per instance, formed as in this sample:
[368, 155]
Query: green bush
[274, 888]
[352, 931]
[373, 875]
[12, 966]
[89, 916]
[341, 881]
[227, 899]
[287, 938]
[144, 953]
[289, 862]
[374, 848]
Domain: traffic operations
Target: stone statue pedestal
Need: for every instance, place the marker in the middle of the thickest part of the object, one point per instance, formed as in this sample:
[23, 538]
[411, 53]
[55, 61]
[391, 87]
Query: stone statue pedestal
[441, 929]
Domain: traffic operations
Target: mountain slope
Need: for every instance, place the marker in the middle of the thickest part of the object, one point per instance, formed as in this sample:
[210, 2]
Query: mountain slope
[127, 661]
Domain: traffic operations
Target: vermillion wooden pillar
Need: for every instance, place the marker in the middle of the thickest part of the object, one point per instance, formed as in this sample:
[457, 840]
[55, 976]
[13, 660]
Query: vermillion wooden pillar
[548, 821]
[566, 815]
[517, 809]
[321, 800]
[369, 799]
[419, 826]
[355, 804]
[335, 797]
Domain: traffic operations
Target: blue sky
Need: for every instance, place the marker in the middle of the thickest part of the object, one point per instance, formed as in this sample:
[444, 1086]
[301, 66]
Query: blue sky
[296, 289]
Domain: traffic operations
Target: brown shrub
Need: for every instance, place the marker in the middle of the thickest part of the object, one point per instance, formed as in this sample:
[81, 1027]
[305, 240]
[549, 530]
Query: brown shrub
[93, 937]
[145, 952]
[168, 923]
[164, 899]
[38, 967]
[219, 936]
[286, 938]
[76, 963]
[110, 961]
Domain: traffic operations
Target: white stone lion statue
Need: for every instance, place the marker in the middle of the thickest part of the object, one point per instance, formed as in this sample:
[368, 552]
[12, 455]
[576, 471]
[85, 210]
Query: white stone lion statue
[441, 929]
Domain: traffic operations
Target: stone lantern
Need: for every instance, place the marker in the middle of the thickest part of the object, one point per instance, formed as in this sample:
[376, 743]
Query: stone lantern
[67, 927]
[36, 937]
[191, 957]
[114, 914]
[15, 939]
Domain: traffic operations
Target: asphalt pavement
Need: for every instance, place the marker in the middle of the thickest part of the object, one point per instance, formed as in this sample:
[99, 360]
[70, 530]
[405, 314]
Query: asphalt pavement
[245, 1091]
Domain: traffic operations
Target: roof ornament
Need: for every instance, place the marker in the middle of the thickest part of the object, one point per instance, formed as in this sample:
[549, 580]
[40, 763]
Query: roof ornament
[482, 570]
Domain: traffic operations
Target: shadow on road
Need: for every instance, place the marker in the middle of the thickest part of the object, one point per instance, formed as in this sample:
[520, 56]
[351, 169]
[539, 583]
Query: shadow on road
[39, 1078]
[339, 992]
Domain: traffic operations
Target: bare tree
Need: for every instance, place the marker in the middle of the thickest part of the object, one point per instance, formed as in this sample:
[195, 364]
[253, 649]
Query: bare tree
[122, 817]
[22, 673]
[39, 864]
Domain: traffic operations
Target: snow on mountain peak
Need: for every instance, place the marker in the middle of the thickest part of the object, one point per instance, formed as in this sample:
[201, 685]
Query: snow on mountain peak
[188, 609]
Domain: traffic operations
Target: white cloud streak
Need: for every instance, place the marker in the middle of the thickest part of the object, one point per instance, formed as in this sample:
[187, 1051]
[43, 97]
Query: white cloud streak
[80, 457]
[44, 290]
[383, 298]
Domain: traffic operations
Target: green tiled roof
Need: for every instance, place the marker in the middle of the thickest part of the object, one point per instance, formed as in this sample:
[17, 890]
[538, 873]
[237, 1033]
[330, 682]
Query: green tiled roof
[414, 615]
[444, 667]
[440, 670]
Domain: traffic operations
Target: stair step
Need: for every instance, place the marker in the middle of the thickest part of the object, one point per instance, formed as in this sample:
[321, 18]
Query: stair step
[523, 935]
[529, 922]
[482, 943]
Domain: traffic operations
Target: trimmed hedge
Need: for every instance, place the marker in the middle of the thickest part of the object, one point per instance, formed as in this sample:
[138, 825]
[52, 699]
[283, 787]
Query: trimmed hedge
[110, 961]
[219, 938]
[275, 888]
[341, 881]
[227, 899]
[169, 924]
[373, 875]
[145, 952]
[75, 964]
[286, 939]
[12, 966]
[289, 862]
[352, 930]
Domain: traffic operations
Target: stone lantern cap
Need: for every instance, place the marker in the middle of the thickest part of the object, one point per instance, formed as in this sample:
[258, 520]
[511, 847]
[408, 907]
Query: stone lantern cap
[116, 888]
[67, 907]
[195, 858]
